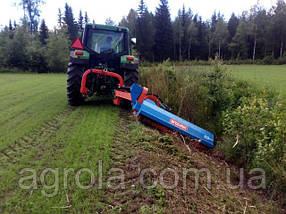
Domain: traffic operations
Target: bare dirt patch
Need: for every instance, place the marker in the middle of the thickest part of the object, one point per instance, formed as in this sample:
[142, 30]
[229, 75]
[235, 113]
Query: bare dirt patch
[137, 148]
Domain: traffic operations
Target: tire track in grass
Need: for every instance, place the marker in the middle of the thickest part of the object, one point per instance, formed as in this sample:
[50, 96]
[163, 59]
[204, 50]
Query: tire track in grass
[13, 153]
[126, 156]
[19, 153]
[32, 116]
[24, 95]
[10, 113]
[85, 147]
[29, 91]
[79, 142]
[24, 84]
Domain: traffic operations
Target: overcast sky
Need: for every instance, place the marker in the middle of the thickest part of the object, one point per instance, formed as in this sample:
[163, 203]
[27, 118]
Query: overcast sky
[99, 10]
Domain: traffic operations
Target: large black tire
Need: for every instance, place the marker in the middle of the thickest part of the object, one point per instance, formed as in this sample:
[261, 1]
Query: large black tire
[74, 73]
[130, 77]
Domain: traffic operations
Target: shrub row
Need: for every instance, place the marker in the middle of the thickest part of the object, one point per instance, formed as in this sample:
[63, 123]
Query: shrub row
[19, 50]
[268, 60]
[255, 136]
[197, 94]
[239, 114]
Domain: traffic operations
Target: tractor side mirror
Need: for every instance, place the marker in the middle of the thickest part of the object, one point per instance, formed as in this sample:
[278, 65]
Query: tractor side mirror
[133, 41]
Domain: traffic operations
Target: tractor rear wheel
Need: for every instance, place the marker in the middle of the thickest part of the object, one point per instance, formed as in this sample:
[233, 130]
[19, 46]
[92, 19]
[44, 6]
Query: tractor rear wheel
[130, 77]
[74, 73]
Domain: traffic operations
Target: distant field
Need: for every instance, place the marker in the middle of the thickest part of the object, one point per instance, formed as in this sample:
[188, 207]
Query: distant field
[270, 76]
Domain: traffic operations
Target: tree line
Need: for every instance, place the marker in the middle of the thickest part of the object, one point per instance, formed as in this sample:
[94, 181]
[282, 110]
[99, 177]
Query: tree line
[32, 46]
[255, 34]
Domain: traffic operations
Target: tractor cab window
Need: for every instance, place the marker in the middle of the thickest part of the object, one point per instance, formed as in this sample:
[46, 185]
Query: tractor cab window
[103, 41]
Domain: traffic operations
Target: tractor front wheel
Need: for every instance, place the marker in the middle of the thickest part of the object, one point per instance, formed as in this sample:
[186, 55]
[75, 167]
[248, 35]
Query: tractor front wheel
[74, 73]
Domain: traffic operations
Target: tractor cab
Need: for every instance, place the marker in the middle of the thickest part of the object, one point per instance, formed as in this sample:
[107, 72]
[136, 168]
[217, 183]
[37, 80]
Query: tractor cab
[101, 47]
[105, 41]
[106, 44]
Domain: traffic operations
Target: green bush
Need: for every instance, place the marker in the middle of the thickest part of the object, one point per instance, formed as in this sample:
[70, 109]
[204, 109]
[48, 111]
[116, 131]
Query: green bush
[265, 61]
[57, 51]
[196, 94]
[179, 88]
[37, 58]
[22, 50]
[255, 135]
[282, 60]
[268, 60]
[13, 48]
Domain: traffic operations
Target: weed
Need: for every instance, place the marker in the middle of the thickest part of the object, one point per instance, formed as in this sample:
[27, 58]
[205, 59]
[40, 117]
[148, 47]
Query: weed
[235, 110]
[160, 195]
[256, 126]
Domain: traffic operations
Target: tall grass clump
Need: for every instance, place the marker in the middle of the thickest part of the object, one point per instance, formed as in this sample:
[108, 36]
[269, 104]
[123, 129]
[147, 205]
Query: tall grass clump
[194, 93]
[249, 123]
[255, 136]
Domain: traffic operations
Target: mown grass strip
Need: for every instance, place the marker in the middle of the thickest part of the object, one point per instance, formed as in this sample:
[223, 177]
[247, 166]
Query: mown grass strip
[84, 138]
[14, 83]
[28, 102]
[38, 130]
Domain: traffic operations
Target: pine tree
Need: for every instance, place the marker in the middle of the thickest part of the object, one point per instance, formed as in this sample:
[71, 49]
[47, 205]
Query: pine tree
[142, 8]
[144, 33]
[44, 33]
[163, 32]
[279, 20]
[10, 25]
[239, 44]
[86, 19]
[232, 26]
[15, 25]
[60, 17]
[182, 41]
[177, 40]
[10, 29]
[69, 21]
[109, 21]
[192, 37]
[201, 40]
[130, 22]
[123, 22]
[213, 21]
[186, 21]
[212, 45]
[263, 27]
[80, 20]
[220, 34]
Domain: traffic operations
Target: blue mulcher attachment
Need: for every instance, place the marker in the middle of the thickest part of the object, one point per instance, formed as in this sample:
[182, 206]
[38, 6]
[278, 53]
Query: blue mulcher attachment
[152, 108]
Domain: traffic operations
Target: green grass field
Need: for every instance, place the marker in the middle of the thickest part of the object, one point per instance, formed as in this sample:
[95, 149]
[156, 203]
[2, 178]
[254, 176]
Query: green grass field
[39, 130]
[269, 76]
[45, 144]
